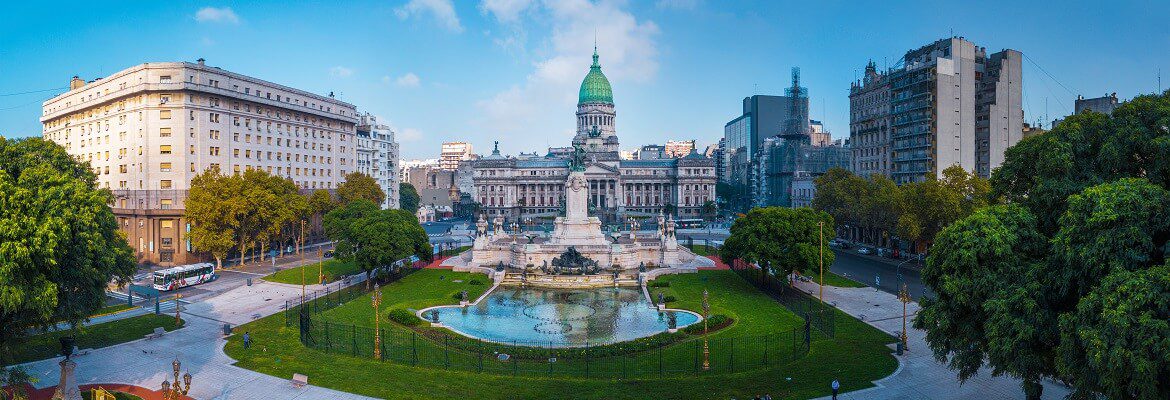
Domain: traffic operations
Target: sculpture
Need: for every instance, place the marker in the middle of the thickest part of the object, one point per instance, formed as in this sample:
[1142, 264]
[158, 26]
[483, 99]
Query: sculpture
[572, 262]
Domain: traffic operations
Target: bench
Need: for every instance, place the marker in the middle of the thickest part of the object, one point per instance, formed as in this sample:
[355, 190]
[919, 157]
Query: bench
[158, 332]
[299, 380]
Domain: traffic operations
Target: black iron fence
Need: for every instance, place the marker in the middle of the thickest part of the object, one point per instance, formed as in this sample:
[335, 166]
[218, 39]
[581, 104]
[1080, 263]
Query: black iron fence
[441, 350]
[818, 315]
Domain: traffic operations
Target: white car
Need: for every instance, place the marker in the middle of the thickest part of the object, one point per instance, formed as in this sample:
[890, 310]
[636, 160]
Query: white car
[864, 250]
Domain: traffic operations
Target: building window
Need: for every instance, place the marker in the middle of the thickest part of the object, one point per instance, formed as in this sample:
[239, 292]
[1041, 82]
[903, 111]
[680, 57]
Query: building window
[164, 132]
[164, 114]
[164, 184]
[164, 79]
[164, 149]
[164, 167]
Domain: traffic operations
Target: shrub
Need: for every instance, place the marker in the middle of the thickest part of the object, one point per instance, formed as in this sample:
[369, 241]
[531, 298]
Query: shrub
[669, 298]
[474, 282]
[714, 323]
[404, 317]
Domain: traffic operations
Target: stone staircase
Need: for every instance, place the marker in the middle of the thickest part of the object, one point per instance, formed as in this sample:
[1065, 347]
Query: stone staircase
[570, 281]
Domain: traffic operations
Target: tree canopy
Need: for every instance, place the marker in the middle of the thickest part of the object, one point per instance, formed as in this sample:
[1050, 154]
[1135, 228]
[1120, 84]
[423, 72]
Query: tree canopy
[374, 238]
[360, 186]
[59, 241]
[786, 239]
[408, 197]
[1069, 280]
[252, 210]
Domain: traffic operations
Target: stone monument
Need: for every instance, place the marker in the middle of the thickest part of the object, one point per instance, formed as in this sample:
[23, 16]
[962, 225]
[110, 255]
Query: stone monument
[67, 387]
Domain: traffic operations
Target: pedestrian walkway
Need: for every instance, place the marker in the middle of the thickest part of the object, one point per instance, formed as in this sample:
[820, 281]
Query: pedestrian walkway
[199, 346]
[919, 374]
[719, 264]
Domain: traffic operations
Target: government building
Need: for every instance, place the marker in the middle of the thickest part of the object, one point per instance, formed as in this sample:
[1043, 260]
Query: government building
[149, 129]
[528, 188]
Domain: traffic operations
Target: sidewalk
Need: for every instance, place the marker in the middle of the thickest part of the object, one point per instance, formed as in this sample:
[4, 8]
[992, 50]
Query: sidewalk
[919, 375]
[199, 346]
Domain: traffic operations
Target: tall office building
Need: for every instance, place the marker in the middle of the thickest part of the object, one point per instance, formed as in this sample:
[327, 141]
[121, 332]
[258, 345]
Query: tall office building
[953, 104]
[377, 156]
[763, 117]
[869, 123]
[452, 153]
[149, 129]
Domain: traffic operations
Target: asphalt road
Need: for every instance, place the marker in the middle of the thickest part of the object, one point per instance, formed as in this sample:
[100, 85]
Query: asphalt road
[871, 271]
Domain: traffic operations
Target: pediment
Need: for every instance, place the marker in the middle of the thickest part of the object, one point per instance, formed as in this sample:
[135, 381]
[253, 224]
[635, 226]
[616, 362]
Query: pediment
[599, 168]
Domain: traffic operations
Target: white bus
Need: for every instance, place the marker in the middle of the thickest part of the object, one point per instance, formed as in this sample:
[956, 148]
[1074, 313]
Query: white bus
[183, 276]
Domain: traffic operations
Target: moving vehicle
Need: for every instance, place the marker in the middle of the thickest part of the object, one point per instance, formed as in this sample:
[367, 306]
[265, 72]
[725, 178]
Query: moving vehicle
[183, 276]
[864, 250]
[690, 223]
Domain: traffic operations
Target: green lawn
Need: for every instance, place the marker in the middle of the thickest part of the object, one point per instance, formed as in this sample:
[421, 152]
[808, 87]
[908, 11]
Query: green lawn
[832, 279]
[704, 250]
[856, 356]
[47, 345]
[333, 270]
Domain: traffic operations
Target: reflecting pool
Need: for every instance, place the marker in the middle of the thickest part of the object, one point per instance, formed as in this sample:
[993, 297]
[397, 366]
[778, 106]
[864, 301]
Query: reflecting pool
[560, 317]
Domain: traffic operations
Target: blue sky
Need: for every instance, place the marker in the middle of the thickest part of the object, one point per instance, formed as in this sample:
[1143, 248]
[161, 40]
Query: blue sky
[509, 70]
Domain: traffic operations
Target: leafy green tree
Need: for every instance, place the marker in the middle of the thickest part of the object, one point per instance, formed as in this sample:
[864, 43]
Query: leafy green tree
[408, 197]
[59, 241]
[931, 205]
[784, 239]
[209, 210]
[360, 186]
[709, 210]
[1115, 342]
[373, 238]
[984, 270]
[321, 202]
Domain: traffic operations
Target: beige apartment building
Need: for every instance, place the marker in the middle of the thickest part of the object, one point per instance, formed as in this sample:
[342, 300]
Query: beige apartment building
[149, 129]
[453, 153]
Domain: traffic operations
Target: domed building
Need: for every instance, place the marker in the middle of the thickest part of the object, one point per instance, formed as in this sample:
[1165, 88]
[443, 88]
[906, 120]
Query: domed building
[530, 189]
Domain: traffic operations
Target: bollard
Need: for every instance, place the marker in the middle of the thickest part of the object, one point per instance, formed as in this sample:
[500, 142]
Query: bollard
[227, 329]
[901, 348]
[249, 281]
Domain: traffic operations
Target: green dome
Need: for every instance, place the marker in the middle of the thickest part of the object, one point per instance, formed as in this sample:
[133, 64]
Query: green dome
[595, 88]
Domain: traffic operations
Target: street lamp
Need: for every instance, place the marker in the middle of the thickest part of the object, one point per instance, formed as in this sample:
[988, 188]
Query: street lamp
[178, 321]
[706, 350]
[376, 299]
[904, 297]
[821, 249]
[176, 391]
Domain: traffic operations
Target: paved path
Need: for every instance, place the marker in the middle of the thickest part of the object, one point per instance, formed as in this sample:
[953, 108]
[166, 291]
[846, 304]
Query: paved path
[199, 346]
[919, 375]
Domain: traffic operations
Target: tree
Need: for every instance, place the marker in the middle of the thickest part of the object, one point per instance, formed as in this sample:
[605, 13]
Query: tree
[60, 241]
[931, 205]
[784, 239]
[1090, 307]
[373, 238]
[209, 210]
[984, 270]
[321, 202]
[360, 186]
[408, 197]
[709, 210]
[1114, 343]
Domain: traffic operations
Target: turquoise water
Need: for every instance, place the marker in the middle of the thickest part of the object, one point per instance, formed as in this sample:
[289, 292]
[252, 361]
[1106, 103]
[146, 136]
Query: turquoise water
[560, 317]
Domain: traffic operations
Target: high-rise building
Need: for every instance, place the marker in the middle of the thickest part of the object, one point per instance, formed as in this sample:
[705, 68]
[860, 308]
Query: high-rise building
[953, 104]
[817, 135]
[377, 156]
[869, 123]
[149, 129]
[453, 153]
[678, 148]
[763, 117]
[1104, 104]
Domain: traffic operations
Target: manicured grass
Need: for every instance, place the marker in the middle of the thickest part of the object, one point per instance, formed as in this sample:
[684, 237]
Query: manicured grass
[333, 270]
[704, 250]
[856, 356]
[832, 279]
[47, 345]
[113, 309]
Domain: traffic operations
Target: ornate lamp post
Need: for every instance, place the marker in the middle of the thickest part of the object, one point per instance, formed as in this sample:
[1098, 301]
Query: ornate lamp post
[904, 296]
[706, 350]
[821, 249]
[176, 391]
[178, 321]
[376, 299]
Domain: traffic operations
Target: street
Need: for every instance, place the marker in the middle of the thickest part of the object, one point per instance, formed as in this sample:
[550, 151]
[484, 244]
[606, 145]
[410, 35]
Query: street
[864, 269]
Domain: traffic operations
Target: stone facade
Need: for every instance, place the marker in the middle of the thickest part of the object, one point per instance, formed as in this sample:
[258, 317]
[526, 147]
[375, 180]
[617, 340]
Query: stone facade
[529, 188]
[149, 129]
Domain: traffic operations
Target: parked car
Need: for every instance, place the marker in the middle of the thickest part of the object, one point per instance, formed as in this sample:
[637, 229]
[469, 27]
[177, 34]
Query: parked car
[328, 253]
[834, 243]
[864, 250]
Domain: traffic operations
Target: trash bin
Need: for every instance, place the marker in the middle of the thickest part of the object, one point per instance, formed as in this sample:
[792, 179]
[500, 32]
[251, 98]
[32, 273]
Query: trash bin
[249, 281]
[227, 329]
[901, 348]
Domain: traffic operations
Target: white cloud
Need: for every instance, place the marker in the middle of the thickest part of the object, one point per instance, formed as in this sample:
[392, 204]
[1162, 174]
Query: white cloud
[442, 10]
[408, 80]
[505, 11]
[543, 103]
[340, 71]
[219, 15]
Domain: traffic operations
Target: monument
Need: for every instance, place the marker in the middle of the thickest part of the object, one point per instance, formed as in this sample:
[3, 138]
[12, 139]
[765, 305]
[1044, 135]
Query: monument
[67, 386]
[577, 253]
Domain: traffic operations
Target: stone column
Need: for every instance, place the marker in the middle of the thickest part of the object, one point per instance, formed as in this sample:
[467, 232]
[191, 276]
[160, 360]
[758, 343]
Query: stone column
[67, 386]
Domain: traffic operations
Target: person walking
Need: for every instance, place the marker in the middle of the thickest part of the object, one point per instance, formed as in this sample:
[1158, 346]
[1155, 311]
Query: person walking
[247, 340]
[836, 386]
